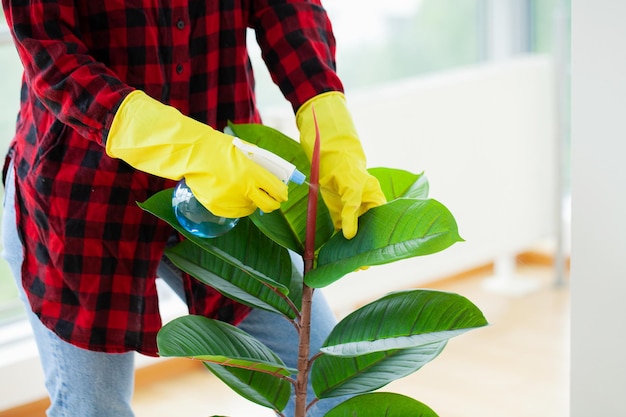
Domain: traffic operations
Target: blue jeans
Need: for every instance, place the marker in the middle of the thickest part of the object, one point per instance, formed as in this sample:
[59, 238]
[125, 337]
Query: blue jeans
[95, 384]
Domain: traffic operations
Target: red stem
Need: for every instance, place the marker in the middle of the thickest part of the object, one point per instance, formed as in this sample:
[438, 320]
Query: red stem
[309, 243]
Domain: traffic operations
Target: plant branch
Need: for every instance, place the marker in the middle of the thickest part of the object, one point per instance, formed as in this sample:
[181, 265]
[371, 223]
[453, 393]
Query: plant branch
[307, 292]
[285, 298]
[312, 403]
[303, 352]
[314, 357]
[311, 224]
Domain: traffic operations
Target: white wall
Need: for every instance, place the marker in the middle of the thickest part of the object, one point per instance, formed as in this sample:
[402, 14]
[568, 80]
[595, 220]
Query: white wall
[598, 376]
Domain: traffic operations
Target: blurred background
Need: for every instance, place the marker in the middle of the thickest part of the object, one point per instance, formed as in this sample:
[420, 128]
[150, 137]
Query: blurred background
[475, 93]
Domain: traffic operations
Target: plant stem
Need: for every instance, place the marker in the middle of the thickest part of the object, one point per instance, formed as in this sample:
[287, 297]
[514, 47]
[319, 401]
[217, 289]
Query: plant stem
[307, 292]
[303, 352]
[311, 214]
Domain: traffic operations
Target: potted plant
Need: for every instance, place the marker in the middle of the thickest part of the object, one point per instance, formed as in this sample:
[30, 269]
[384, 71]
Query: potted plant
[384, 340]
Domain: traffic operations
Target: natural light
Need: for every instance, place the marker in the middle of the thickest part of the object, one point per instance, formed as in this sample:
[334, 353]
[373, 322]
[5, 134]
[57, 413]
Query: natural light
[401, 61]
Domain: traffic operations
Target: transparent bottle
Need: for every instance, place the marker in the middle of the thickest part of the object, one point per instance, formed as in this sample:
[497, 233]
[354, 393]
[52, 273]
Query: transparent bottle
[196, 219]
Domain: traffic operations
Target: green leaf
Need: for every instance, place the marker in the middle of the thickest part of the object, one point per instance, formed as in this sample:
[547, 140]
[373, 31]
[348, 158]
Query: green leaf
[397, 183]
[398, 230]
[241, 361]
[233, 282]
[381, 404]
[334, 376]
[233, 247]
[262, 389]
[210, 340]
[287, 225]
[403, 320]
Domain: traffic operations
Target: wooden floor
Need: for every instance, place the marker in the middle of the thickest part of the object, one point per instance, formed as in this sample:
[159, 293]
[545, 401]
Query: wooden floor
[516, 367]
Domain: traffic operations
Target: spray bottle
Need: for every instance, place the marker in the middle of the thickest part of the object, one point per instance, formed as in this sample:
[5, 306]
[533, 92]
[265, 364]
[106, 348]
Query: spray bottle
[196, 219]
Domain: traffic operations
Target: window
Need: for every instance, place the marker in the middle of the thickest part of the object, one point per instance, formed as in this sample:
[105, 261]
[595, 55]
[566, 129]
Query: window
[544, 20]
[390, 40]
[386, 41]
[379, 42]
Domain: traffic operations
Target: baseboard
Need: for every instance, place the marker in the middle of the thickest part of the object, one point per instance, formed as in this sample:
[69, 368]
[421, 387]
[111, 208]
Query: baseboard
[144, 376]
[539, 258]
[33, 409]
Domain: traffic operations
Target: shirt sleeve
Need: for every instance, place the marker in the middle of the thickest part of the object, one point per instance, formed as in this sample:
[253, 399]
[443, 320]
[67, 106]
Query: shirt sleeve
[80, 91]
[298, 47]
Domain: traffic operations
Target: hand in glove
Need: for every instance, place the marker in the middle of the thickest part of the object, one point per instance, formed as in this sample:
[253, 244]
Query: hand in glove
[158, 139]
[347, 188]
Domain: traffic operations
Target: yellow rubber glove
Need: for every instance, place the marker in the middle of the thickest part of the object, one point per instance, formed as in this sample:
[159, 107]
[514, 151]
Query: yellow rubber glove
[158, 139]
[347, 188]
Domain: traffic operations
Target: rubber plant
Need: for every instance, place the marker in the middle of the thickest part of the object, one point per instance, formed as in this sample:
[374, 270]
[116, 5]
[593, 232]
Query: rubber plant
[378, 343]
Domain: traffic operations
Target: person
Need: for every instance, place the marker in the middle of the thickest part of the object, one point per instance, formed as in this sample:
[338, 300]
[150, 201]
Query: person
[119, 100]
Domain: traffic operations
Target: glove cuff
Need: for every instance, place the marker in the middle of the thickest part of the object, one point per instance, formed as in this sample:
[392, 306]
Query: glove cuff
[329, 98]
[333, 118]
[156, 138]
[130, 118]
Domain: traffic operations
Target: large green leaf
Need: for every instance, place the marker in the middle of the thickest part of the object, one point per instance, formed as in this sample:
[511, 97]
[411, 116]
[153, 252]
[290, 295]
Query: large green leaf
[215, 341]
[333, 376]
[233, 247]
[396, 183]
[234, 282]
[241, 361]
[263, 389]
[287, 225]
[381, 404]
[398, 230]
[403, 320]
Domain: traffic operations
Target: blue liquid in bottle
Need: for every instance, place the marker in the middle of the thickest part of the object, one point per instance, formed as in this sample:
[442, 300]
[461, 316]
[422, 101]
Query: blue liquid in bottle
[194, 217]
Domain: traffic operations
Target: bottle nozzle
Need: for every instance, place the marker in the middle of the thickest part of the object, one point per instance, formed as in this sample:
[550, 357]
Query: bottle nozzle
[282, 169]
[297, 177]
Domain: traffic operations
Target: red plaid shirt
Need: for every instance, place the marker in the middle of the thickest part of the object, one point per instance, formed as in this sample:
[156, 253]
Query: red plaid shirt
[90, 253]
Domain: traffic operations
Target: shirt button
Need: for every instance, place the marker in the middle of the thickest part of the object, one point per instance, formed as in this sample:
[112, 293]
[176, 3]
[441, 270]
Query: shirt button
[180, 24]
[179, 68]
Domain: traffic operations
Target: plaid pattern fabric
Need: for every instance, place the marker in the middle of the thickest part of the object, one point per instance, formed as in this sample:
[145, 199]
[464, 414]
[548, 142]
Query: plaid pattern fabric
[90, 253]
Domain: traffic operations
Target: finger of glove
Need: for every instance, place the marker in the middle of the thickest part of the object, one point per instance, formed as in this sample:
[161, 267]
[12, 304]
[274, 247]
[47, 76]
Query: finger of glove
[219, 197]
[351, 200]
[333, 202]
[364, 198]
[262, 186]
[268, 191]
[348, 200]
[237, 199]
[264, 201]
[345, 206]
[238, 186]
[227, 203]
[373, 195]
[349, 223]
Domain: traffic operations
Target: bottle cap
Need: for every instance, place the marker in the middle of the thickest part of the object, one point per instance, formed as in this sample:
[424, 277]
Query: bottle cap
[297, 177]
